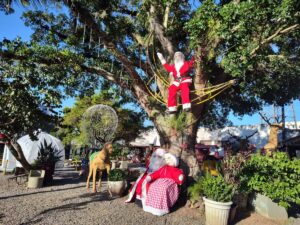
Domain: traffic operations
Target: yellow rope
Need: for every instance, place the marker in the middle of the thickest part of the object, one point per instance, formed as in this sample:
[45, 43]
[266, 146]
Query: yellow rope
[213, 96]
[217, 89]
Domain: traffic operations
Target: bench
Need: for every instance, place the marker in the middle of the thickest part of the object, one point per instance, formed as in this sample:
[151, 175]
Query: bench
[22, 179]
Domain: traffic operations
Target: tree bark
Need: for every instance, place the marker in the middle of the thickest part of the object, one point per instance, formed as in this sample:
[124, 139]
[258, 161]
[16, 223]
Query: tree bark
[17, 152]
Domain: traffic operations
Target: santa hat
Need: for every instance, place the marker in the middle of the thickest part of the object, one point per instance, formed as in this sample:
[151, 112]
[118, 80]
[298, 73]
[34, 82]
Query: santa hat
[173, 158]
[161, 152]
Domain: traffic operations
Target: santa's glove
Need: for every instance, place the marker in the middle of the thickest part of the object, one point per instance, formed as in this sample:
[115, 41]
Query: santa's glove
[148, 179]
[161, 58]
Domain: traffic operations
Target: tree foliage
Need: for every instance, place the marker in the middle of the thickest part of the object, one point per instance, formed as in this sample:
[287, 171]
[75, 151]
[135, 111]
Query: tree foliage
[72, 127]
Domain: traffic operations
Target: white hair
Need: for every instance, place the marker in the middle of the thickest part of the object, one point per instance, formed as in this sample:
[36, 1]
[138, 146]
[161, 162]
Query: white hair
[157, 160]
[173, 158]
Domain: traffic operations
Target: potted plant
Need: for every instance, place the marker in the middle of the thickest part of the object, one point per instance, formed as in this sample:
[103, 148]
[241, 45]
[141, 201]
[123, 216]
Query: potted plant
[217, 196]
[48, 156]
[116, 182]
[36, 178]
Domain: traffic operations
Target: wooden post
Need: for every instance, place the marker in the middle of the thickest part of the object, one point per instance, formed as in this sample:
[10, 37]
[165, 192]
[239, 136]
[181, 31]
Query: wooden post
[294, 116]
[5, 167]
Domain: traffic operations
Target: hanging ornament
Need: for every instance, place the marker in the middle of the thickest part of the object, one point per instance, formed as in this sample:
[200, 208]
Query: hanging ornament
[77, 22]
[91, 39]
[112, 66]
[99, 45]
[83, 38]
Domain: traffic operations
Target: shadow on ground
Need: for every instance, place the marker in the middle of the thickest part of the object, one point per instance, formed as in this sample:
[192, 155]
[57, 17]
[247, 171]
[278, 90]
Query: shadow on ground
[97, 197]
[241, 214]
[39, 192]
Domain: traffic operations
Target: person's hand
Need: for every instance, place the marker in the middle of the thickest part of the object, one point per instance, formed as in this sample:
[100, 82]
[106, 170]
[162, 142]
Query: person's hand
[148, 179]
[161, 58]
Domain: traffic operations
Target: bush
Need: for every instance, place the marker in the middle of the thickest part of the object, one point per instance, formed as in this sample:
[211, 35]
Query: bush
[120, 152]
[214, 188]
[116, 175]
[231, 167]
[276, 177]
[47, 155]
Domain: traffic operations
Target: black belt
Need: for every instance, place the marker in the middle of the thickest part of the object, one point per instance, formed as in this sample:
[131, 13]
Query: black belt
[179, 79]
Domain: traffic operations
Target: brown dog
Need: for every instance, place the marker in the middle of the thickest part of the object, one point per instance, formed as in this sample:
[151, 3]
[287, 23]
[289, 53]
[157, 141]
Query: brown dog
[99, 160]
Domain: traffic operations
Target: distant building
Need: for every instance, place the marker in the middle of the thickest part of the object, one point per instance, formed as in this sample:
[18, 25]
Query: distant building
[220, 136]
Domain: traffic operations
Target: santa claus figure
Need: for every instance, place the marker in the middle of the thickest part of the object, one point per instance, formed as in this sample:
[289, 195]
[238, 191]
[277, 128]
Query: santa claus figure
[139, 190]
[180, 71]
[163, 190]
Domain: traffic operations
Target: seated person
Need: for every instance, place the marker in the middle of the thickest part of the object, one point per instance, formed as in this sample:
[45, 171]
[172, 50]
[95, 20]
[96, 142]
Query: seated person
[163, 189]
[138, 192]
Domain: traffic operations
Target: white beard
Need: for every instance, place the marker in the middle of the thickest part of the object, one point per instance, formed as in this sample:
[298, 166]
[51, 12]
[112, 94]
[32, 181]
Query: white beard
[156, 163]
[178, 65]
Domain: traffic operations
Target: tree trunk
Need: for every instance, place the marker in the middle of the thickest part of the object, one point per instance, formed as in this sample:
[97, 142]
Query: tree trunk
[17, 152]
[179, 140]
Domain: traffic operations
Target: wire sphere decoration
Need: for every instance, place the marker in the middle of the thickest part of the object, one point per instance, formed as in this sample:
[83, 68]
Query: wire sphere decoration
[100, 124]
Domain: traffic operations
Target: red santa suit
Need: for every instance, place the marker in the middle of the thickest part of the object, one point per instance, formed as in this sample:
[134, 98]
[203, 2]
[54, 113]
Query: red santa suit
[182, 80]
[163, 190]
[140, 188]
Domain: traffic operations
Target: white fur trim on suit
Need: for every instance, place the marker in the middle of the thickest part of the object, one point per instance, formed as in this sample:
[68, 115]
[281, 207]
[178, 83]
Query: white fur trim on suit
[178, 67]
[148, 178]
[186, 106]
[180, 178]
[154, 211]
[187, 81]
[132, 192]
[176, 83]
[172, 108]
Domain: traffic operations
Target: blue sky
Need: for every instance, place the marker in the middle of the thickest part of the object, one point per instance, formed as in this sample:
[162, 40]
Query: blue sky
[12, 26]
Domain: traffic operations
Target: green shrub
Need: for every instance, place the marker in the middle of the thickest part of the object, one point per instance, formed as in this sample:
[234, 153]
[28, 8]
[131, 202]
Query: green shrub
[116, 175]
[214, 188]
[47, 154]
[275, 176]
[120, 152]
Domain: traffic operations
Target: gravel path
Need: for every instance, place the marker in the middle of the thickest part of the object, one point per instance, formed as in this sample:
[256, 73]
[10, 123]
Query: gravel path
[68, 202]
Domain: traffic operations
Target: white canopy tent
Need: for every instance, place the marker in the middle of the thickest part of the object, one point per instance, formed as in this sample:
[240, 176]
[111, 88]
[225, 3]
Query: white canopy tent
[8, 160]
[31, 148]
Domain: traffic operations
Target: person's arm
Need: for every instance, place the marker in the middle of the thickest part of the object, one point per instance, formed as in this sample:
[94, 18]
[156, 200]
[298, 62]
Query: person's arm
[154, 176]
[178, 176]
[191, 62]
[164, 62]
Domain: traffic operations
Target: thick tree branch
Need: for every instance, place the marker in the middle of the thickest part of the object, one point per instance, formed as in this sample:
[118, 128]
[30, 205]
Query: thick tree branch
[139, 87]
[8, 123]
[159, 32]
[279, 32]
[166, 14]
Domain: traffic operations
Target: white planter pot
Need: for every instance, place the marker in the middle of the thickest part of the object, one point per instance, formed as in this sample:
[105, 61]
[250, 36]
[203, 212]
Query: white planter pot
[36, 178]
[116, 187]
[216, 213]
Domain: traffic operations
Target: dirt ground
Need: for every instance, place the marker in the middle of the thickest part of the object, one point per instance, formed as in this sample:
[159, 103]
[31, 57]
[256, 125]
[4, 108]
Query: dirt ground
[68, 202]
